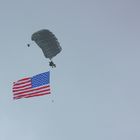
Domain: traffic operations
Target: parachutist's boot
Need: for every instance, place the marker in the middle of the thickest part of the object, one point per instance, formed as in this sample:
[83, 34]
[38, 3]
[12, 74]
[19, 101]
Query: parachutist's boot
[54, 65]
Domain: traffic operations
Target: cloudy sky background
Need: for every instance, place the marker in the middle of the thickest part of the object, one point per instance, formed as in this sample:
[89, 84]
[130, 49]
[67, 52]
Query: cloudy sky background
[95, 86]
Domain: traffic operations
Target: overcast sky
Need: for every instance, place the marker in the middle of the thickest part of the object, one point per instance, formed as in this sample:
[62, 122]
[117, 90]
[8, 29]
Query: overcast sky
[96, 84]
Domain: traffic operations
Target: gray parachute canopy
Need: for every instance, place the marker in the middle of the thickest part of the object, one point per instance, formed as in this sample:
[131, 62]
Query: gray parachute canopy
[47, 41]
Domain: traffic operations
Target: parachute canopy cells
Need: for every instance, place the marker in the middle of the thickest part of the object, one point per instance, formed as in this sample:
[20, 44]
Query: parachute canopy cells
[47, 41]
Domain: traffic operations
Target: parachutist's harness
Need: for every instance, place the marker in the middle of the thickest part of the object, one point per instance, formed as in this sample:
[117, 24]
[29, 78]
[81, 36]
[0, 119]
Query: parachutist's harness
[52, 64]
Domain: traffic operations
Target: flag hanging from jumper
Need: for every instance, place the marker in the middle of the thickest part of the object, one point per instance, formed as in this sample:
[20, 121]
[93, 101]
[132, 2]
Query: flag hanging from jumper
[37, 85]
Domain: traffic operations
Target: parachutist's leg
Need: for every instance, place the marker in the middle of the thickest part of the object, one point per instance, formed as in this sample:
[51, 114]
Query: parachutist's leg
[53, 64]
[50, 63]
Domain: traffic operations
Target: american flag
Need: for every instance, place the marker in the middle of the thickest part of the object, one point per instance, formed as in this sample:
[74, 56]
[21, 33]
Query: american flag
[37, 85]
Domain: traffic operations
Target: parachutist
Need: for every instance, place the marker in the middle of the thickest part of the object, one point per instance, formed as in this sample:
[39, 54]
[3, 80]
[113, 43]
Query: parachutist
[52, 64]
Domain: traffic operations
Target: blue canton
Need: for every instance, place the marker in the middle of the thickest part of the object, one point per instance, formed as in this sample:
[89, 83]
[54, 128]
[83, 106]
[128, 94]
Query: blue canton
[40, 79]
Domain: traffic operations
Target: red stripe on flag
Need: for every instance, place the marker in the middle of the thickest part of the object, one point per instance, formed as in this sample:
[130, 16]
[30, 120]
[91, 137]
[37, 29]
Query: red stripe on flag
[30, 95]
[36, 91]
[31, 90]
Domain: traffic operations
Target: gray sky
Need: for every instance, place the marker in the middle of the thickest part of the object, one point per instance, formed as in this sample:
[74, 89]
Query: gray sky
[95, 86]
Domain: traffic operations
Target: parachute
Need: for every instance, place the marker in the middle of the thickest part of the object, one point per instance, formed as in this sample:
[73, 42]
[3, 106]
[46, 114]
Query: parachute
[49, 44]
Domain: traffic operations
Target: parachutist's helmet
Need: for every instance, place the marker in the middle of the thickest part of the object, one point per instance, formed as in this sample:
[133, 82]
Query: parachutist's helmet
[47, 41]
